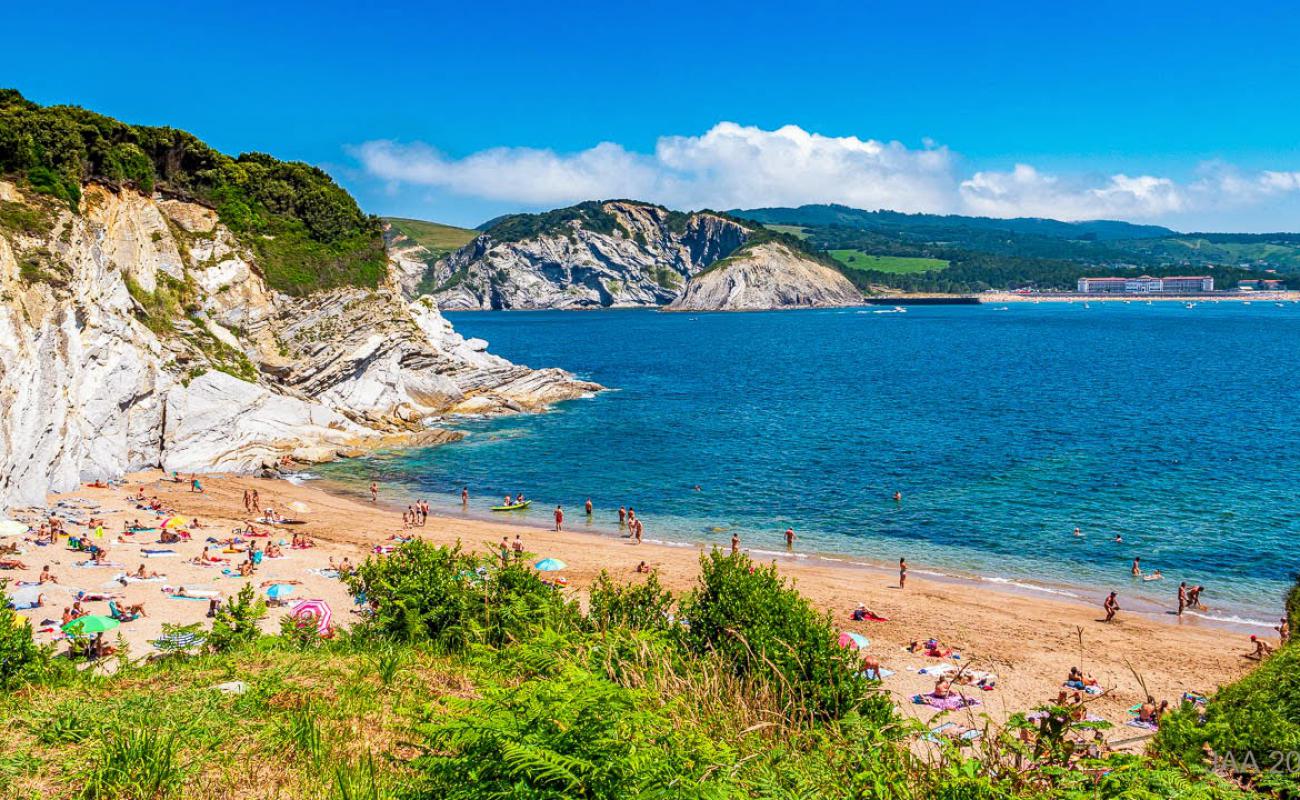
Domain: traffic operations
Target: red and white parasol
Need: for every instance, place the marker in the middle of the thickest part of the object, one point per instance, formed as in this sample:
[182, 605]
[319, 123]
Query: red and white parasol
[314, 608]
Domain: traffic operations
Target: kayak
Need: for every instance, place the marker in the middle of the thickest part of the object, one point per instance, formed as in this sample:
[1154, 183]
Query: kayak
[515, 507]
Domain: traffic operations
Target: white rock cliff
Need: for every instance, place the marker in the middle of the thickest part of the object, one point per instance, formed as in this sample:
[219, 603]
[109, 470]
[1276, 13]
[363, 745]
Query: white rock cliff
[93, 383]
[766, 276]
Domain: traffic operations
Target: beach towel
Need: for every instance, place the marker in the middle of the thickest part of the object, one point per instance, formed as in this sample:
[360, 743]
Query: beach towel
[324, 572]
[91, 564]
[952, 702]
[1146, 726]
[122, 577]
[938, 669]
[187, 597]
[156, 553]
[967, 734]
[877, 675]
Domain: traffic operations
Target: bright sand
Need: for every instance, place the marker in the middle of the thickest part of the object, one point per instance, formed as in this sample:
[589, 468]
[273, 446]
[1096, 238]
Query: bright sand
[1029, 642]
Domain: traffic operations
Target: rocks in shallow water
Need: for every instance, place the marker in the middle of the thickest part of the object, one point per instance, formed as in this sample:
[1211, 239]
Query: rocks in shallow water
[769, 275]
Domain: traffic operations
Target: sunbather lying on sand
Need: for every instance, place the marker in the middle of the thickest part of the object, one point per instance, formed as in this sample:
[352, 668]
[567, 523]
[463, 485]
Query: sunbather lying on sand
[930, 647]
[144, 574]
[12, 563]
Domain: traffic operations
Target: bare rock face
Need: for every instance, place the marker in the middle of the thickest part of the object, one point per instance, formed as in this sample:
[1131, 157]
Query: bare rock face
[767, 276]
[139, 333]
[642, 258]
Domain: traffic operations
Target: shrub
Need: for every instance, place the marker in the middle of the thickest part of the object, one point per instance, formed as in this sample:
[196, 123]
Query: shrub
[767, 630]
[236, 624]
[574, 736]
[638, 606]
[22, 660]
[452, 598]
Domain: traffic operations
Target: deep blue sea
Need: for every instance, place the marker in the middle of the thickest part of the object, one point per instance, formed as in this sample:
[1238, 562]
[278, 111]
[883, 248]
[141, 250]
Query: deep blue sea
[1175, 428]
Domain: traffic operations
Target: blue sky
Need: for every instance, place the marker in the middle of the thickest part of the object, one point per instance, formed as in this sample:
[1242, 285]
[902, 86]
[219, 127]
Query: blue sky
[1182, 113]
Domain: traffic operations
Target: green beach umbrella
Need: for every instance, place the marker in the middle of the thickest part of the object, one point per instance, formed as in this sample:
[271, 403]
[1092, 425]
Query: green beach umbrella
[94, 623]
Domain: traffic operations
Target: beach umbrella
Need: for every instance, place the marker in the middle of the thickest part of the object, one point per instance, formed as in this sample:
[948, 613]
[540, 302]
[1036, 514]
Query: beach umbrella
[25, 596]
[300, 507]
[174, 522]
[278, 590]
[12, 527]
[855, 640]
[319, 609]
[550, 565]
[93, 623]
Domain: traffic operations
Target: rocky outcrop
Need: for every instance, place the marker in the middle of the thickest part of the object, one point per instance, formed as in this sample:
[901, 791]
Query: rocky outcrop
[632, 254]
[766, 276]
[139, 333]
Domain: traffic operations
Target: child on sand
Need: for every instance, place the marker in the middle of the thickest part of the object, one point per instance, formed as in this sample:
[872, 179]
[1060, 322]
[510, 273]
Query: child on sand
[1110, 606]
[1262, 649]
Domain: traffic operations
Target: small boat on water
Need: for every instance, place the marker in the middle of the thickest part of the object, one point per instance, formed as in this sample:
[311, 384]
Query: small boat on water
[894, 310]
[514, 506]
[1190, 305]
[1003, 308]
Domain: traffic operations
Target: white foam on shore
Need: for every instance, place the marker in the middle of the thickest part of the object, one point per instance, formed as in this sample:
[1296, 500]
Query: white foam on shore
[1230, 618]
[299, 478]
[1030, 586]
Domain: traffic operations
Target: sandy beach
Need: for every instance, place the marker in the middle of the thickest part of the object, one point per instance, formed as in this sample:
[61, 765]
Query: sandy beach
[1030, 643]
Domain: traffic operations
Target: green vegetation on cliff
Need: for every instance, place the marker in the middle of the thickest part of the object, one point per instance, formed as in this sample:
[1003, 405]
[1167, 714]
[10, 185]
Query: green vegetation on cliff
[435, 237]
[306, 232]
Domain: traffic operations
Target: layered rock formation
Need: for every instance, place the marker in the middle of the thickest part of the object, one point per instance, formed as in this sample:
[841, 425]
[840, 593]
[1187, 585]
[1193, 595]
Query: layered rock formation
[768, 275]
[613, 254]
[140, 333]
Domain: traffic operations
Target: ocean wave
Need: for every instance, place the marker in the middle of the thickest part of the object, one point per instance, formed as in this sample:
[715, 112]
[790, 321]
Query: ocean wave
[299, 478]
[777, 553]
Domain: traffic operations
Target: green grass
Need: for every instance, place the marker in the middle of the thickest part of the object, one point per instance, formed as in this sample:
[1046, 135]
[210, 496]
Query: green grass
[435, 237]
[856, 259]
[797, 231]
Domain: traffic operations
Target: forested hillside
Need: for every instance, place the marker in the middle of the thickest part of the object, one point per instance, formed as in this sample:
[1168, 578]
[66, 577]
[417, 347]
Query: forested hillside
[306, 231]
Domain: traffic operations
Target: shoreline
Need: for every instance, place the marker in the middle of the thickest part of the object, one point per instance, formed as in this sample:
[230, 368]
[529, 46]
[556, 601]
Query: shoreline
[1029, 642]
[1078, 593]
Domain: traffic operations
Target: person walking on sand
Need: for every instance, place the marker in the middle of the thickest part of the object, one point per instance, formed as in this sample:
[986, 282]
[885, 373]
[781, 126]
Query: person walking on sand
[902, 573]
[518, 547]
[1110, 606]
[248, 500]
[374, 492]
[1283, 629]
[735, 544]
[559, 518]
[505, 551]
[639, 528]
[789, 538]
[1182, 597]
[588, 506]
[1137, 567]
[464, 496]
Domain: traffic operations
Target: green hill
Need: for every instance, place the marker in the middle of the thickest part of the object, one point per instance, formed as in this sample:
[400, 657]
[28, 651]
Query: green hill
[307, 232]
[435, 237]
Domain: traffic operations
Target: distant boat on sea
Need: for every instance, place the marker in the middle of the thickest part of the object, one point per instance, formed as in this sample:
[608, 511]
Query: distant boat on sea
[894, 310]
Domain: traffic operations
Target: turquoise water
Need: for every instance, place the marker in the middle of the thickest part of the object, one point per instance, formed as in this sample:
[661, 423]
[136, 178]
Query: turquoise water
[1004, 430]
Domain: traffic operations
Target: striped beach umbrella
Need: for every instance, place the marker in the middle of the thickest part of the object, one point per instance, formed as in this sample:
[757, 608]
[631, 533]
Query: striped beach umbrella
[314, 608]
[174, 522]
[855, 640]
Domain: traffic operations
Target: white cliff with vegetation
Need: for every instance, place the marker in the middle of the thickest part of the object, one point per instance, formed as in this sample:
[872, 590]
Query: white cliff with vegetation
[769, 275]
[139, 332]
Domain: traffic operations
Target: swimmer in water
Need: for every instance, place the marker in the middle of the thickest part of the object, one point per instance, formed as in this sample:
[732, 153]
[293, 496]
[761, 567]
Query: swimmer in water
[898, 497]
[1077, 532]
[1119, 539]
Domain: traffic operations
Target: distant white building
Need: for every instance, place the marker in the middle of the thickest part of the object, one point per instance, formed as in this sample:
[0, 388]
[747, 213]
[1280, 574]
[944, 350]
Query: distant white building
[1146, 284]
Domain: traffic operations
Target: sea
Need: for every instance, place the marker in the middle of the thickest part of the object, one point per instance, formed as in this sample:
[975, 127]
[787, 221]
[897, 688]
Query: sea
[1160, 431]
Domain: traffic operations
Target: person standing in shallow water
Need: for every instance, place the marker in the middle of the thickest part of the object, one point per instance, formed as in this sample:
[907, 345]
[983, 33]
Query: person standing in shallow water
[622, 515]
[902, 573]
[464, 496]
[588, 506]
[789, 538]
[1182, 597]
[735, 543]
[559, 518]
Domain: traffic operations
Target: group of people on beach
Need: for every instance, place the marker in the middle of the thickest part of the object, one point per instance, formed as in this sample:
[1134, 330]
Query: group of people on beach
[416, 514]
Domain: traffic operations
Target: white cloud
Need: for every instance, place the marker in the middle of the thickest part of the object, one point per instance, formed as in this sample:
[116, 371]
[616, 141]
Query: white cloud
[1027, 192]
[733, 165]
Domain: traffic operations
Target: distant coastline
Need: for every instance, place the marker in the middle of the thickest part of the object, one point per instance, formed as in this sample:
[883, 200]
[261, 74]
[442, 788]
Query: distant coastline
[937, 298]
